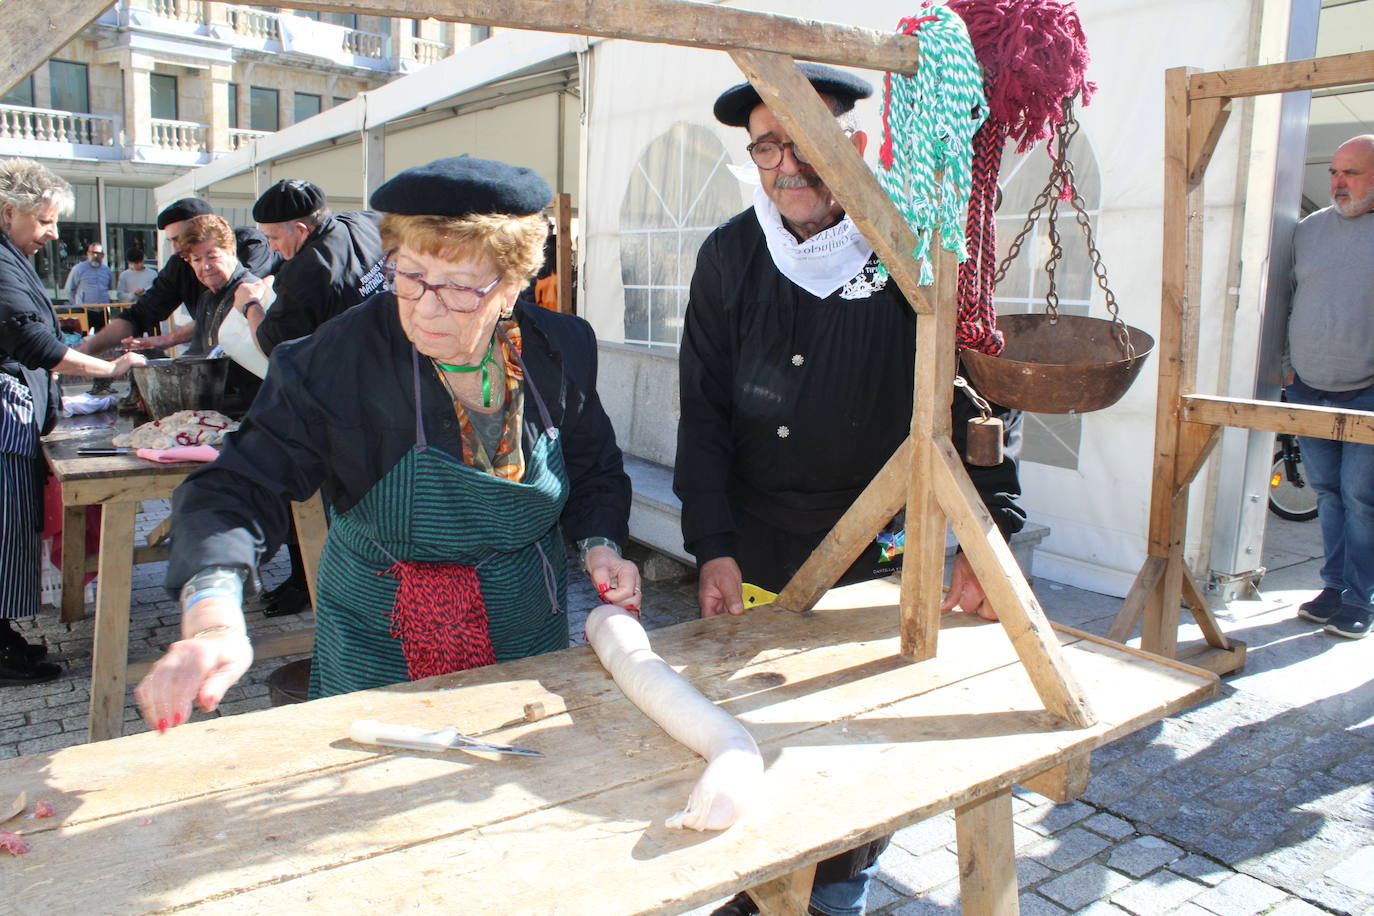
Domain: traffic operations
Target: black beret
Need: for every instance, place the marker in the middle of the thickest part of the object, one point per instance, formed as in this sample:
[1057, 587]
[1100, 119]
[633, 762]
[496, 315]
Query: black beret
[463, 186]
[288, 199]
[735, 104]
[186, 208]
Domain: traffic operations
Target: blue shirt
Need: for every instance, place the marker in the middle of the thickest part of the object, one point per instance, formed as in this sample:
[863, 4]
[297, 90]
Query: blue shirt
[89, 284]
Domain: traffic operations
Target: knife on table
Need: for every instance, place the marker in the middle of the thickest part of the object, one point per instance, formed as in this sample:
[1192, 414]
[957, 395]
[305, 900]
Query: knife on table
[370, 731]
[93, 452]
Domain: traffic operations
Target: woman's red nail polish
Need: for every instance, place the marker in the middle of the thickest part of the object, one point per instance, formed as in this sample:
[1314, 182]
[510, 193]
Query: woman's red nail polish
[161, 726]
[176, 719]
[603, 589]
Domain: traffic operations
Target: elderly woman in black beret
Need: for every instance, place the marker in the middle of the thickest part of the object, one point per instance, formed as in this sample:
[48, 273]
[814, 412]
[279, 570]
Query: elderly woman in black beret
[31, 352]
[457, 436]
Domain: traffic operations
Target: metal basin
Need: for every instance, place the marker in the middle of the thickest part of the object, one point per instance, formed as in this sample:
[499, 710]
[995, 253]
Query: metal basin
[1071, 366]
[188, 383]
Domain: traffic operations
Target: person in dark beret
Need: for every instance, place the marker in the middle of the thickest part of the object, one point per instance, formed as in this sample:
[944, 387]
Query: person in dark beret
[176, 284]
[331, 263]
[457, 437]
[796, 377]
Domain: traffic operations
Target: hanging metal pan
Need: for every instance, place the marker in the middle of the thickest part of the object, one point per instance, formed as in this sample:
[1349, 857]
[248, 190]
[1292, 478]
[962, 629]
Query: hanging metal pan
[1073, 365]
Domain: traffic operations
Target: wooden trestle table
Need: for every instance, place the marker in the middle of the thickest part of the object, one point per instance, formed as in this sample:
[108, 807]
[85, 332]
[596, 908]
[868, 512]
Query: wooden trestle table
[117, 483]
[279, 811]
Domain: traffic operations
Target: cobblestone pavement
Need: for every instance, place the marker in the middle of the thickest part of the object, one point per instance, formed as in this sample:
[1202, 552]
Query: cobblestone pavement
[1256, 802]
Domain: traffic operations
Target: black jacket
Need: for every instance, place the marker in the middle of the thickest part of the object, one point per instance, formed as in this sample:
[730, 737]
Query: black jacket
[176, 283]
[30, 343]
[337, 412]
[337, 267]
[790, 404]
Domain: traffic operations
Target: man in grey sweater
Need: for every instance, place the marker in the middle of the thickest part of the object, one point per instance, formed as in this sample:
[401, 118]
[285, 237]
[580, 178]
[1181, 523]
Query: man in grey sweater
[1331, 364]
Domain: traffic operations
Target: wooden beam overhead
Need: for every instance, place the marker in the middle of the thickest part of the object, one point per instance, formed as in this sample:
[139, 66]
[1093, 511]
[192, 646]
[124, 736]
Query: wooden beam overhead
[1275, 417]
[676, 22]
[35, 32]
[1293, 75]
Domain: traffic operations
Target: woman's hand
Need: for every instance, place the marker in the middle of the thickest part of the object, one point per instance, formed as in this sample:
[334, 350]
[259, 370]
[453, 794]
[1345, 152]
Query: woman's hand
[197, 670]
[127, 361]
[616, 578]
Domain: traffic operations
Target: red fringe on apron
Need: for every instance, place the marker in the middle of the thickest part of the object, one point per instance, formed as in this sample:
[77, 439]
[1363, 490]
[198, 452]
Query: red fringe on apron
[440, 618]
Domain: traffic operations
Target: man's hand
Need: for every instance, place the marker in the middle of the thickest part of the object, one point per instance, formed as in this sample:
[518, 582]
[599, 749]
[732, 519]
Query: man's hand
[155, 341]
[718, 587]
[964, 591]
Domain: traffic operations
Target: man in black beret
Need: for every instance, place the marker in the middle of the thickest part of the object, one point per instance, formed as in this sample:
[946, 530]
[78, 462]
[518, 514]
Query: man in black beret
[796, 378]
[176, 283]
[331, 263]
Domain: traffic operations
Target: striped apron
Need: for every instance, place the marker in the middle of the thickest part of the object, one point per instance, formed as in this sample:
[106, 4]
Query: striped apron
[431, 508]
[21, 504]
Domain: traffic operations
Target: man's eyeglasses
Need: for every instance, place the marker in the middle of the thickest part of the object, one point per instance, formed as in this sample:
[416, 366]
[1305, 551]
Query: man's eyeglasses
[452, 296]
[767, 154]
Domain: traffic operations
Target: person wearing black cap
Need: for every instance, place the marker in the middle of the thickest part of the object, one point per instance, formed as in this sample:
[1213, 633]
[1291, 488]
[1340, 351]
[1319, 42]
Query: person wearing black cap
[331, 263]
[796, 378]
[456, 435]
[176, 283]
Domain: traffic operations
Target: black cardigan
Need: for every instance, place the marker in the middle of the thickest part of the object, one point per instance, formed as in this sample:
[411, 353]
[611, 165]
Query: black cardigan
[336, 413]
[30, 343]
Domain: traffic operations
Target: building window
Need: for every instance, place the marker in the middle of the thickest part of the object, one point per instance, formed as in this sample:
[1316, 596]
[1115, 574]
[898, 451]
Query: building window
[307, 105]
[347, 20]
[478, 33]
[233, 89]
[164, 95]
[71, 89]
[1052, 439]
[264, 109]
[339, 100]
[21, 94]
[679, 191]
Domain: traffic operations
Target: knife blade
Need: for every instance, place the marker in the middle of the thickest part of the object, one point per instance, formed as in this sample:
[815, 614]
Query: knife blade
[370, 731]
[93, 452]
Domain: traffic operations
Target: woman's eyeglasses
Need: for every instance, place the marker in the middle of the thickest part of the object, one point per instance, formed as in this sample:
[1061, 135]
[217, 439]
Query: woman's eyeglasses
[452, 296]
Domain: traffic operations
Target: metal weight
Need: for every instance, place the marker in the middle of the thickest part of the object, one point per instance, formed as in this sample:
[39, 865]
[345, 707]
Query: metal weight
[983, 447]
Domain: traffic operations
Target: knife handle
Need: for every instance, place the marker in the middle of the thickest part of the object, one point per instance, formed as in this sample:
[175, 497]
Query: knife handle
[370, 731]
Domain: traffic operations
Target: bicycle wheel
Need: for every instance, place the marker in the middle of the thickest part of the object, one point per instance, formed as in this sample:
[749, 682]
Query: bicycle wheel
[1296, 502]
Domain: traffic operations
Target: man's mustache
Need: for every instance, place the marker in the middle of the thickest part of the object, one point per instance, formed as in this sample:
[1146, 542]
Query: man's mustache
[788, 182]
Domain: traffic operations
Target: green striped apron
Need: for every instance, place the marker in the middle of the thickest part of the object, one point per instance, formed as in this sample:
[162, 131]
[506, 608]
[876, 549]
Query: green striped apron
[432, 508]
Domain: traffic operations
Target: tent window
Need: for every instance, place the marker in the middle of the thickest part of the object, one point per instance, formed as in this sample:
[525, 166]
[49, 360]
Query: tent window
[1052, 439]
[679, 190]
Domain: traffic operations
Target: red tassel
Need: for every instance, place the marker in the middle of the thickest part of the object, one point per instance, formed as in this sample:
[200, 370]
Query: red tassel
[440, 618]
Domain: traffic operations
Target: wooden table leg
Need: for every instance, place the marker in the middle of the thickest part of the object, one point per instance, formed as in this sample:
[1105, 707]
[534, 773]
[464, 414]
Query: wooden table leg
[789, 895]
[73, 563]
[110, 655]
[1065, 782]
[987, 858]
[310, 533]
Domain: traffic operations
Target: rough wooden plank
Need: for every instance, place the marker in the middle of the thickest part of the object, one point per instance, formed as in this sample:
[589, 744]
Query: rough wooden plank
[788, 895]
[1275, 417]
[1195, 444]
[812, 127]
[73, 563]
[407, 831]
[923, 563]
[987, 856]
[1145, 585]
[311, 531]
[1062, 782]
[110, 653]
[141, 555]
[1312, 73]
[1206, 123]
[877, 504]
[673, 22]
[1218, 661]
[1007, 589]
[35, 32]
[160, 533]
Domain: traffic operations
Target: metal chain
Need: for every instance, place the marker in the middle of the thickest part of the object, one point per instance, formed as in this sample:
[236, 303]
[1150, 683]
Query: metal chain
[1061, 178]
[978, 400]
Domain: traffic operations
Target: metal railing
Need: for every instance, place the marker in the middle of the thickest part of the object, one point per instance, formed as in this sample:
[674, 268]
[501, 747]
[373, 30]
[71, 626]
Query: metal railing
[426, 52]
[240, 137]
[179, 136]
[18, 122]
